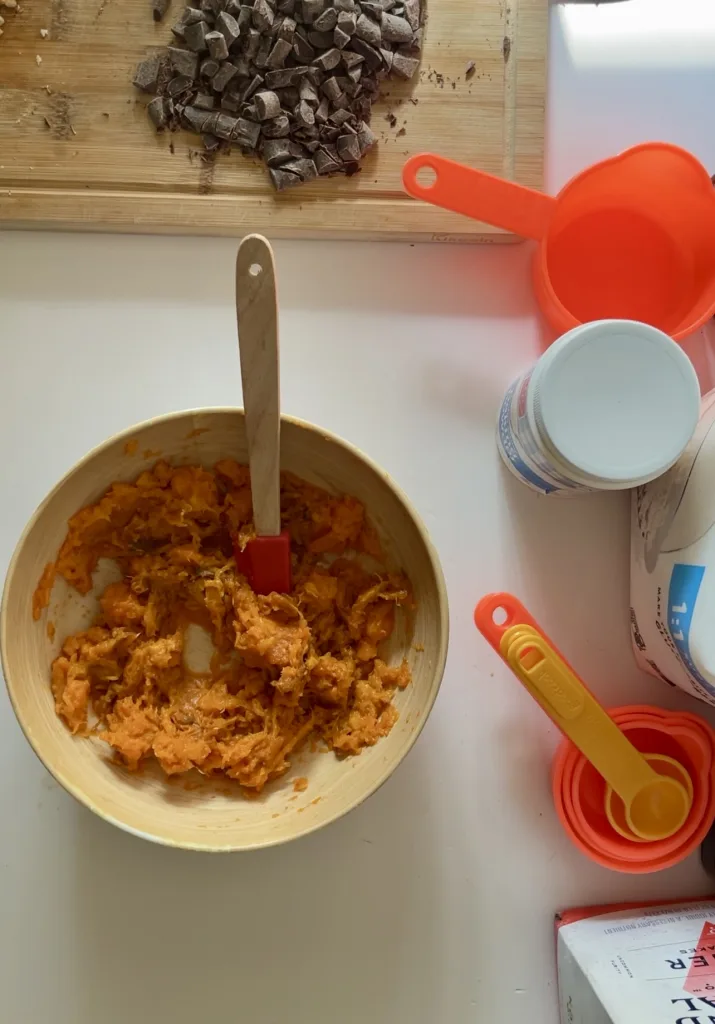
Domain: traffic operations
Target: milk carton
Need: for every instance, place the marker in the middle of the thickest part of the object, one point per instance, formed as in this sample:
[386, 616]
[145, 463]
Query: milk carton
[642, 965]
[673, 567]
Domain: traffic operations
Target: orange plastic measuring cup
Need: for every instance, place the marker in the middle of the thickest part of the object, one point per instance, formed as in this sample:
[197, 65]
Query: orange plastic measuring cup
[630, 238]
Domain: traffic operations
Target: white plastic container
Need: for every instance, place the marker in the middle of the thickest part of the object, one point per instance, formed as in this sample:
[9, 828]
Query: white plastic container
[673, 567]
[610, 405]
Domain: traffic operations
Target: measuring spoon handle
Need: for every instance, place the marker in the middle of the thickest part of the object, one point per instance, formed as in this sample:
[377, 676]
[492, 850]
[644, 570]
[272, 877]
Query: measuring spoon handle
[478, 195]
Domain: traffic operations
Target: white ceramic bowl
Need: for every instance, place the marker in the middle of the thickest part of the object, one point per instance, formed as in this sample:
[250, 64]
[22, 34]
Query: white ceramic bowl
[209, 814]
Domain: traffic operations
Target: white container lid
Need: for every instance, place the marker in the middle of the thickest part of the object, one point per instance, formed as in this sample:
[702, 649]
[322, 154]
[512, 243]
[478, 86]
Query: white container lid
[616, 399]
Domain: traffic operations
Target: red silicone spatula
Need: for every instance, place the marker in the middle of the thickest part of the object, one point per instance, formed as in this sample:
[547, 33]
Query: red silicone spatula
[265, 560]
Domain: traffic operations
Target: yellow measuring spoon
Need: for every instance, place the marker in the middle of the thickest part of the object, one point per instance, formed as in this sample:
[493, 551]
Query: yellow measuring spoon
[656, 806]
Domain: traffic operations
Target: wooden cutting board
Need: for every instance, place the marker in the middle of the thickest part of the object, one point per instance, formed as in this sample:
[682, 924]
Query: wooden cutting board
[77, 150]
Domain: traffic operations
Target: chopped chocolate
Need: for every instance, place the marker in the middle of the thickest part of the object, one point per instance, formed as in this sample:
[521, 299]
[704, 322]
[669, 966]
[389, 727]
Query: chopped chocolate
[369, 30]
[282, 179]
[184, 62]
[326, 21]
[223, 76]
[276, 151]
[267, 105]
[158, 10]
[217, 45]
[246, 133]
[156, 109]
[302, 49]
[395, 30]
[470, 69]
[404, 66]
[178, 85]
[262, 15]
[372, 56]
[278, 128]
[299, 85]
[328, 60]
[146, 76]
[304, 114]
[204, 101]
[228, 27]
[303, 167]
[311, 10]
[195, 36]
[348, 148]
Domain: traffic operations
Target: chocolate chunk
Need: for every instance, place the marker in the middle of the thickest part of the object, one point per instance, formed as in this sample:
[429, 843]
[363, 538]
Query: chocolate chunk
[371, 55]
[366, 137]
[211, 143]
[230, 103]
[276, 151]
[222, 125]
[347, 21]
[470, 69]
[340, 38]
[146, 76]
[223, 76]
[304, 114]
[326, 21]
[279, 53]
[179, 85]
[404, 66]
[395, 30]
[369, 30]
[159, 9]
[331, 88]
[211, 6]
[196, 119]
[344, 5]
[251, 43]
[348, 148]
[302, 49]
[253, 86]
[228, 27]
[286, 6]
[339, 117]
[246, 133]
[245, 17]
[287, 29]
[217, 45]
[195, 36]
[412, 13]
[184, 62]
[267, 105]
[282, 179]
[417, 40]
[278, 128]
[204, 101]
[208, 68]
[311, 9]
[308, 92]
[303, 167]
[178, 29]
[320, 40]
[324, 162]
[351, 59]
[321, 114]
[328, 60]
[156, 109]
[284, 77]
[262, 15]
[192, 15]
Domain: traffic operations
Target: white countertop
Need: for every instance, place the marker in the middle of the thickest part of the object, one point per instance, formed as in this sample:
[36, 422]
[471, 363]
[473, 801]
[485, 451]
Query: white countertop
[434, 901]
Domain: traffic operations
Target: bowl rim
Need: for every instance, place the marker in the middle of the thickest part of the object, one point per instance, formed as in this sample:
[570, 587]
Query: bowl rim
[440, 655]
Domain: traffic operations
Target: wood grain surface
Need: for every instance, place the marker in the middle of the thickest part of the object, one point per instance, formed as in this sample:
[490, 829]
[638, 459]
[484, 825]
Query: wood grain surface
[77, 150]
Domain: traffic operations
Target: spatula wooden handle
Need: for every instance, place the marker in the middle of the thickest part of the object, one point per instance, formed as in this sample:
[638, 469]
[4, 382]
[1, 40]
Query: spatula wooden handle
[257, 314]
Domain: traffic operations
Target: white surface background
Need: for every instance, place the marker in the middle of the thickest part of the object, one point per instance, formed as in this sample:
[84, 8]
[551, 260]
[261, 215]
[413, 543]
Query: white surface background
[433, 901]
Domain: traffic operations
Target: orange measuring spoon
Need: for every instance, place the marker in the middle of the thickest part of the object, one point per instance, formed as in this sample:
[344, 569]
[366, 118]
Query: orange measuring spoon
[629, 238]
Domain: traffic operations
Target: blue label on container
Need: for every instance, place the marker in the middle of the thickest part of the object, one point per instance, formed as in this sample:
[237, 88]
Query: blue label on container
[685, 581]
[509, 449]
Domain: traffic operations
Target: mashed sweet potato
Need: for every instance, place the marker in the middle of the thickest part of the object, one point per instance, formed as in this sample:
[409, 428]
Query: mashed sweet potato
[286, 667]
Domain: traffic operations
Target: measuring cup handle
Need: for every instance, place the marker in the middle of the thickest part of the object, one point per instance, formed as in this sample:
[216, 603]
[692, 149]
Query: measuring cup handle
[479, 195]
[496, 613]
